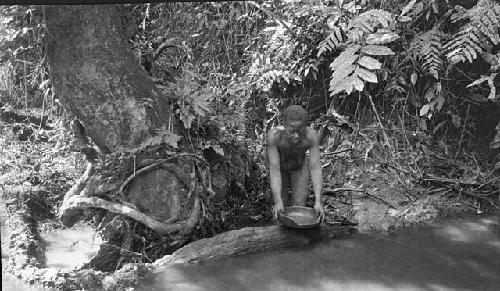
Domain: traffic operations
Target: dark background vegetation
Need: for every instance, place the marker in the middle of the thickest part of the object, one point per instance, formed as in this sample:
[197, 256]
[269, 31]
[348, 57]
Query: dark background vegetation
[407, 85]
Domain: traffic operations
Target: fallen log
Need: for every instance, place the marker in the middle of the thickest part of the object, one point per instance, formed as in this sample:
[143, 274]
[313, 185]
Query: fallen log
[249, 240]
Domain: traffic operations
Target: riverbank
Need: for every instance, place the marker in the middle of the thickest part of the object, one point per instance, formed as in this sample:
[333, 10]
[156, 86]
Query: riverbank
[374, 198]
[28, 262]
[452, 238]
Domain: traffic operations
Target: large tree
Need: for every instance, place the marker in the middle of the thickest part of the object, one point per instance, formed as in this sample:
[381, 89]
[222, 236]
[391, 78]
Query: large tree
[139, 174]
[96, 74]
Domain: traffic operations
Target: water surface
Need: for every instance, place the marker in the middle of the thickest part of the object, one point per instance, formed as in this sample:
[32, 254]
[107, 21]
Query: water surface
[450, 255]
[70, 247]
[64, 249]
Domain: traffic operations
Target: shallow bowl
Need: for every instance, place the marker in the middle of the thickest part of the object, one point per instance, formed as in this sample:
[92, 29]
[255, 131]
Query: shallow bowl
[299, 217]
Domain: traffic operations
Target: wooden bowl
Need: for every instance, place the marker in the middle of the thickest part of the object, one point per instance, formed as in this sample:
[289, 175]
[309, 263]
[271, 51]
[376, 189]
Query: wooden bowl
[299, 217]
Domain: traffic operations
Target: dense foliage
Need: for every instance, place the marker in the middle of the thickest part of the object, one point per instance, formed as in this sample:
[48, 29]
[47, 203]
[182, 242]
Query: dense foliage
[420, 74]
[403, 93]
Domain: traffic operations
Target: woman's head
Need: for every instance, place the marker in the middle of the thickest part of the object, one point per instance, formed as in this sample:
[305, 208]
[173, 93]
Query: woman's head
[295, 117]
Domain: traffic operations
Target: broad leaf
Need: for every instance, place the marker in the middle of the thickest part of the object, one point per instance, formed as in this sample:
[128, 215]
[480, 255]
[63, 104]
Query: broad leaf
[422, 123]
[340, 81]
[425, 109]
[377, 50]
[346, 58]
[218, 149]
[370, 63]
[413, 78]
[344, 85]
[340, 75]
[493, 91]
[358, 84]
[349, 86]
[429, 94]
[384, 37]
[366, 75]
[490, 79]
[408, 7]
[440, 102]
[495, 143]
[404, 18]
[479, 81]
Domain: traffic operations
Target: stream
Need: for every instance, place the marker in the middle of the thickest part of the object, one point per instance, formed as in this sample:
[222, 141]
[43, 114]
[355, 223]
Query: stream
[65, 249]
[452, 254]
[459, 254]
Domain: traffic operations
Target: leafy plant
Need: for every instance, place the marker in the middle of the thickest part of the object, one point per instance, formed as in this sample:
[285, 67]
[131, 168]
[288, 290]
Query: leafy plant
[334, 40]
[21, 52]
[367, 36]
[426, 49]
[354, 66]
[163, 135]
[204, 46]
[192, 99]
[434, 96]
[478, 35]
[365, 27]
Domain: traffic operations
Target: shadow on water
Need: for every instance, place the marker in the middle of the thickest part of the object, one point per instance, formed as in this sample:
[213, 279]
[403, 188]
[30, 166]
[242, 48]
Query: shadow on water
[449, 255]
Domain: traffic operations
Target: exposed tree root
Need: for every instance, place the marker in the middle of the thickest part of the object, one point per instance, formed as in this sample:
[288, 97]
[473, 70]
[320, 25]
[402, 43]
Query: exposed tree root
[78, 202]
[69, 216]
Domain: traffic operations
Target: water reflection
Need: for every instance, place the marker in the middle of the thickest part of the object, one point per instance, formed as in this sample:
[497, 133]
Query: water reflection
[71, 247]
[453, 255]
[65, 249]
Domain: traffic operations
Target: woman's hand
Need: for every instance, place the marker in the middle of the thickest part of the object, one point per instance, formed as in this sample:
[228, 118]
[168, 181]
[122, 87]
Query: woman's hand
[320, 212]
[277, 208]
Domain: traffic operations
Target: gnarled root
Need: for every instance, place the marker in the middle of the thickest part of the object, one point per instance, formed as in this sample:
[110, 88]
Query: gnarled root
[69, 216]
[78, 202]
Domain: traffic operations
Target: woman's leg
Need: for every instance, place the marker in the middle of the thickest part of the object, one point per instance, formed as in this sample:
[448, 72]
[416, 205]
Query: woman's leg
[300, 184]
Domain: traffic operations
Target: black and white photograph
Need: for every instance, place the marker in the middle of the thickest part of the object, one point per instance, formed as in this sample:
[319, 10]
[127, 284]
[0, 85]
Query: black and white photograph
[268, 145]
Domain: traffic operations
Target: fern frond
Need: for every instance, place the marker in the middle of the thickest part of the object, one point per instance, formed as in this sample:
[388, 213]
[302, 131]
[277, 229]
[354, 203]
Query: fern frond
[477, 36]
[307, 68]
[353, 67]
[368, 22]
[343, 66]
[268, 78]
[331, 42]
[427, 50]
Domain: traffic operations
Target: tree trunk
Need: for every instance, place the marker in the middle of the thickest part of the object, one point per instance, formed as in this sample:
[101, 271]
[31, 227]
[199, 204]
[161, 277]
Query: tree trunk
[95, 74]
